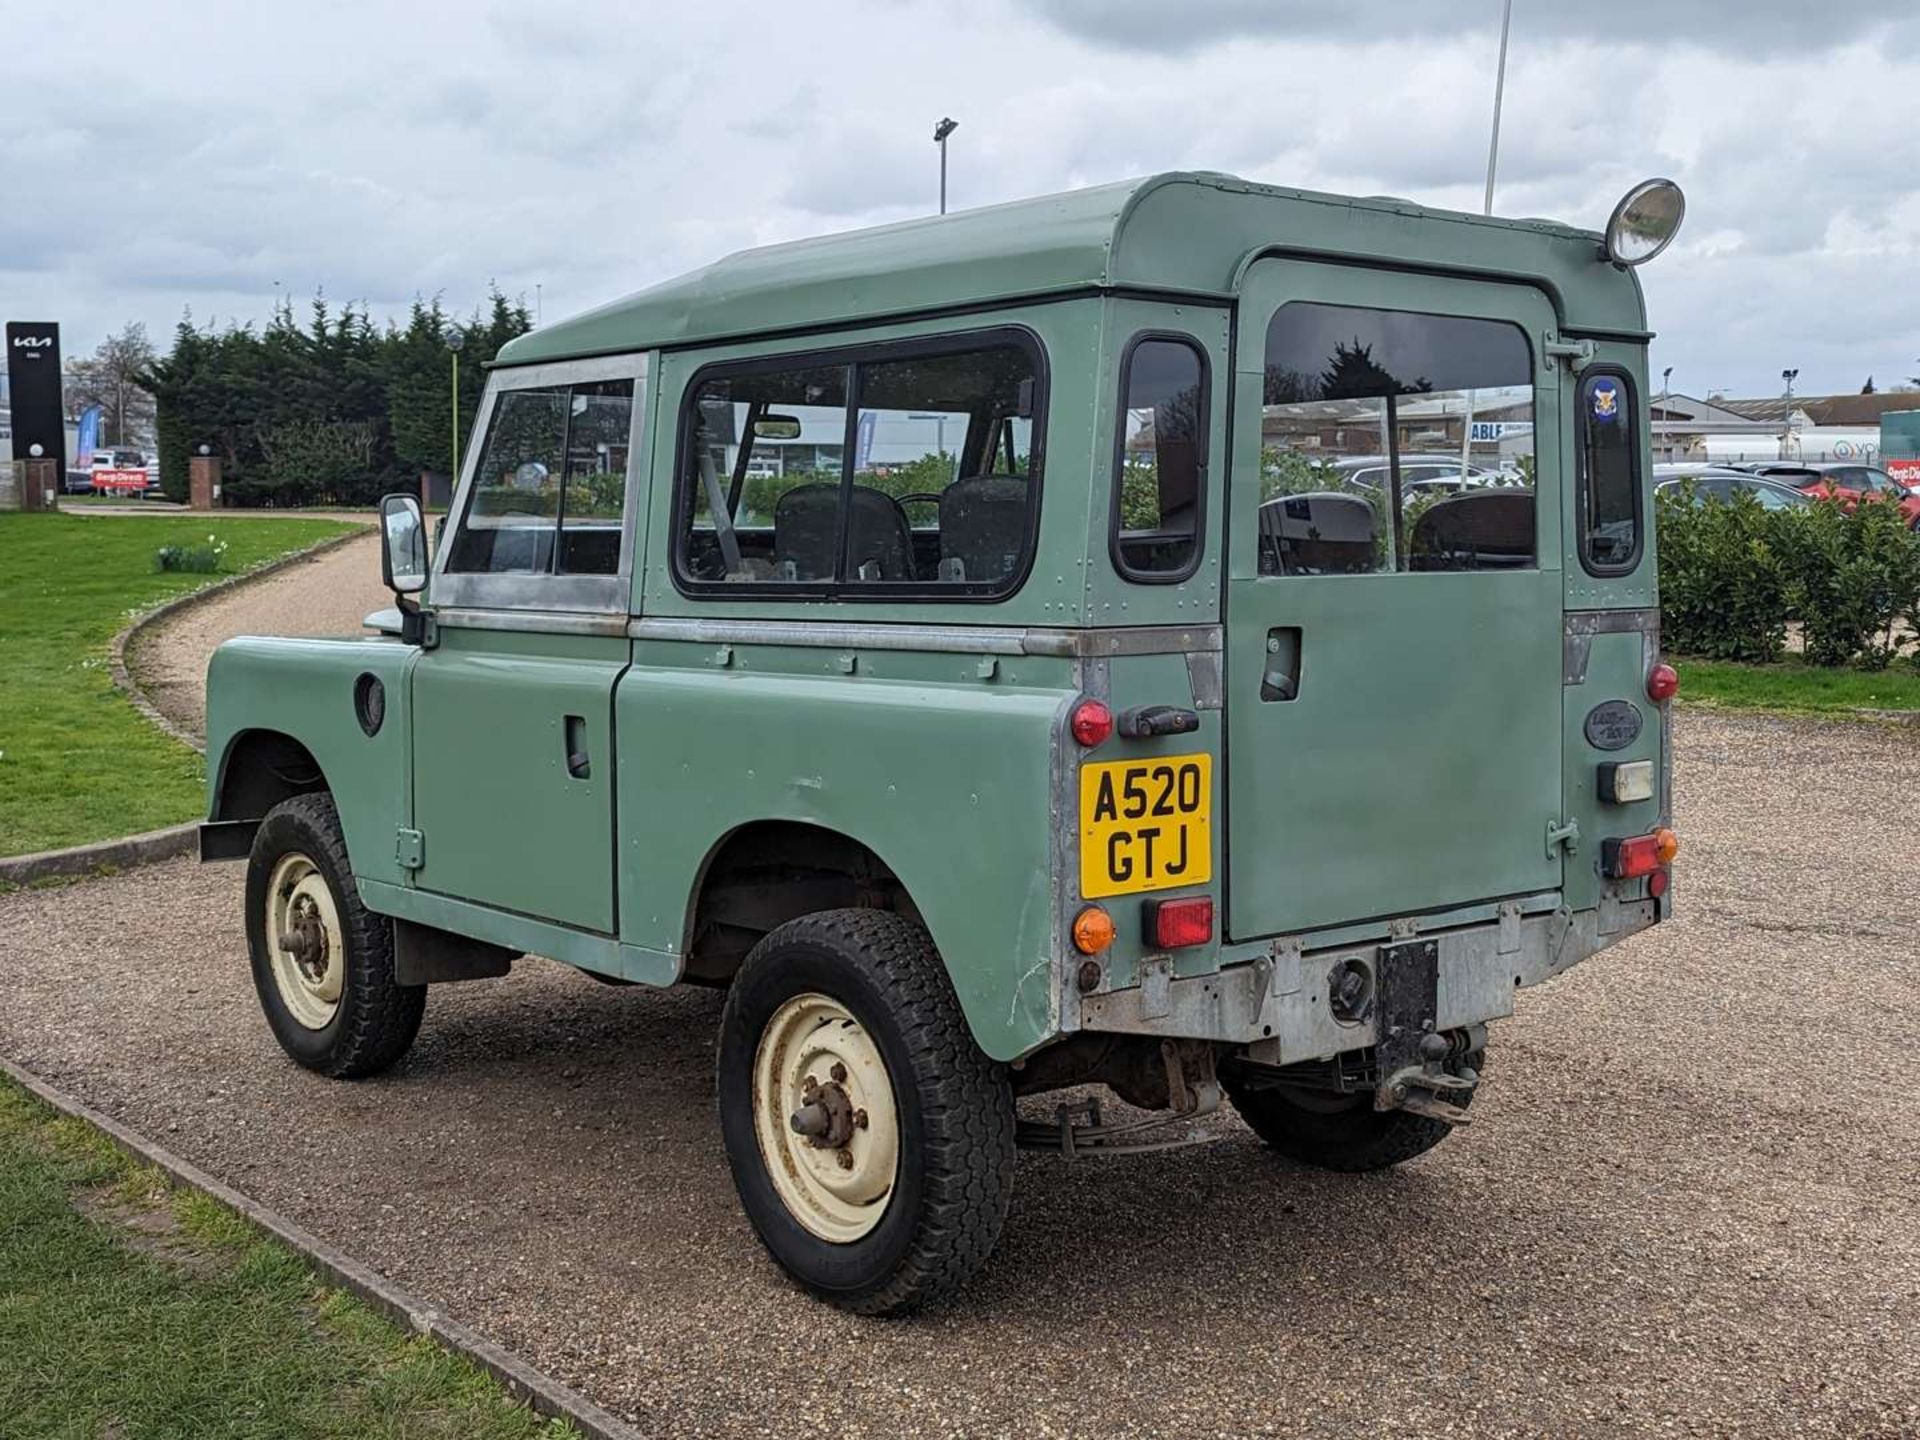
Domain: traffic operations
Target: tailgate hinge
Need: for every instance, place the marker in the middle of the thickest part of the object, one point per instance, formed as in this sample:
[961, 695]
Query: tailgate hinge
[409, 849]
[1562, 833]
[1577, 353]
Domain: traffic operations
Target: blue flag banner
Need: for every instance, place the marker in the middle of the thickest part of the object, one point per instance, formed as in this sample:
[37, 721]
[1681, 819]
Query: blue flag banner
[87, 436]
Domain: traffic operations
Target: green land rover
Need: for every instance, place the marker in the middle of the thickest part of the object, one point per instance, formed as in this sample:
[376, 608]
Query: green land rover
[1186, 636]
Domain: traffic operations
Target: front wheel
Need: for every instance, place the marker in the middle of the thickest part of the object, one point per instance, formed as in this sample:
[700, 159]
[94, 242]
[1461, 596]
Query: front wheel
[870, 1139]
[1337, 1132]
[322, 961]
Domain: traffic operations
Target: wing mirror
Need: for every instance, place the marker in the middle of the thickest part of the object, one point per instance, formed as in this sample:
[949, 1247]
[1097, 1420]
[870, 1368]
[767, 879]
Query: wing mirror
[403, 562]
[403, 544]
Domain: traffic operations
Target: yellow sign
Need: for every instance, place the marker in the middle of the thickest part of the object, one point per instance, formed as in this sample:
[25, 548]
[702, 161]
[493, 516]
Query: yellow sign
[1146, 825]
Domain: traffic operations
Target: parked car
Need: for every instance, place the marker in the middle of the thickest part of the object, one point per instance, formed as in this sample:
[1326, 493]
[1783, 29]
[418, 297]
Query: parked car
[1095, 780]
[1846, 483]
[1418, 474]
[1715, 482]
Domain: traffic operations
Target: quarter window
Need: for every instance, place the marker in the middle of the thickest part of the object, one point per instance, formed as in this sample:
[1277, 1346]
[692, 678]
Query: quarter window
[1609, 474]
[1392, 440]
[1160, 484]
[902, 470]
[549, 491]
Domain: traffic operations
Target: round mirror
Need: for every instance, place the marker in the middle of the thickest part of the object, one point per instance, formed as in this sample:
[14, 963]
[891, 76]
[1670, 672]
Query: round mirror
[1645, 222]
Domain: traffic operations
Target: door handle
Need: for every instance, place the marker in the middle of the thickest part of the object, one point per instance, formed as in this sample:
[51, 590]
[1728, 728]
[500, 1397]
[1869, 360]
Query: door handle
[1280, 677]
[574, 732]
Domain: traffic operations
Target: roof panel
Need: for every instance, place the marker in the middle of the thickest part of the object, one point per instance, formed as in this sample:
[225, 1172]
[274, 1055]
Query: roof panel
[1177, 232]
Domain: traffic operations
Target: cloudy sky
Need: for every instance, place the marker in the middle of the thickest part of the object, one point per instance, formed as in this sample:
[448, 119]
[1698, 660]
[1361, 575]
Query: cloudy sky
[196, 152]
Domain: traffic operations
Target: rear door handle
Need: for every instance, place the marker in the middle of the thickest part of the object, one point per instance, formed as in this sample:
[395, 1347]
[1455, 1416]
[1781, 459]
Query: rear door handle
[574, 732]
[1280, 677]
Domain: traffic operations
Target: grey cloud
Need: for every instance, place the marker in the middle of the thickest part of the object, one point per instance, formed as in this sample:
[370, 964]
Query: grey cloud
[1749, 27]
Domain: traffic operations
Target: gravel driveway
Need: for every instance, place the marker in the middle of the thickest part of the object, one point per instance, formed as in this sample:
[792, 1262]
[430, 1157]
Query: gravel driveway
[328, 594]
[1689, 1203]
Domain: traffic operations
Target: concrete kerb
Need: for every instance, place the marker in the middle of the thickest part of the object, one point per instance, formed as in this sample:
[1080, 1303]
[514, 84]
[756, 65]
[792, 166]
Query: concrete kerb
[547, 1397]
[81, 861]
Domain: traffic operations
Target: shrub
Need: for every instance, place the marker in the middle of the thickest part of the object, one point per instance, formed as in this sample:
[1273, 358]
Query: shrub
[1733, 575]
[1723, 589]
[196, 559]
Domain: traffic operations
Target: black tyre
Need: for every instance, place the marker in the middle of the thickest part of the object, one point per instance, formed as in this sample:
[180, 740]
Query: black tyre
[322, 961]
[844, 1025]
[1337, 1132]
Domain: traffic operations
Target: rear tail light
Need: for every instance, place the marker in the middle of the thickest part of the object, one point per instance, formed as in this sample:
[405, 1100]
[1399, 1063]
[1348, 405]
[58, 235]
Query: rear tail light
[1176, 924]
[1663, 682]
[1091, 723]
[1641, 855]
[1622, 782]
[1658, 882]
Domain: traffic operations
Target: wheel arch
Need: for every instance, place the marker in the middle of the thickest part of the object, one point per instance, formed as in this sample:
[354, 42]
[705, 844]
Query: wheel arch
[762, 873]
[259, 769]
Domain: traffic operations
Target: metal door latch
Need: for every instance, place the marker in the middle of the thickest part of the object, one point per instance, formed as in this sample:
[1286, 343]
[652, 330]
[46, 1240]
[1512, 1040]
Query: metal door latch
[1562, 833]
[1577, 353]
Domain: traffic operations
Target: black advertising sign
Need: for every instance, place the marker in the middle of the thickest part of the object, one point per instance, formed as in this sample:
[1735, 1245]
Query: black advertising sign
[33, 383]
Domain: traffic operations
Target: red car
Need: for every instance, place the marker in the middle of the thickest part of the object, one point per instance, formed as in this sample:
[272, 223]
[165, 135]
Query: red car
[1846, 483]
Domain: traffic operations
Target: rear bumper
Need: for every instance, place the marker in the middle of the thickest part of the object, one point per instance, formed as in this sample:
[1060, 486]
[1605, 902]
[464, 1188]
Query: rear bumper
[1280, 1005]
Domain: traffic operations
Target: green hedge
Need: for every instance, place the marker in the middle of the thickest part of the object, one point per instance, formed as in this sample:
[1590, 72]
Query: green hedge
[1733, 576]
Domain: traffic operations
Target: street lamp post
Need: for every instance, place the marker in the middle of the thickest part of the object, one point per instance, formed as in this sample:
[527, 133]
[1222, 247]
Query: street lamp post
[1486, 208]
[455, 339]
[941, 131]
[1786, 418]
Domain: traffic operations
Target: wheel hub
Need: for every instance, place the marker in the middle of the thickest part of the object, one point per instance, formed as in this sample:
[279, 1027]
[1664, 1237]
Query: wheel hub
[303, 939]
[825, 1118]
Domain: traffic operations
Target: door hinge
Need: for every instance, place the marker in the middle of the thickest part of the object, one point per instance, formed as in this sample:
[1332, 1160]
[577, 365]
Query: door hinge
[1577, 353]
[410, 849]
[1562, 833]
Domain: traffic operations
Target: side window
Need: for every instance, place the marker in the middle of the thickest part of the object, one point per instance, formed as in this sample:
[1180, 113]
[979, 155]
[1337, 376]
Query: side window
[549, 491]
[1393, 440]
[1161, 470]
[1609, 474]
[882, 473]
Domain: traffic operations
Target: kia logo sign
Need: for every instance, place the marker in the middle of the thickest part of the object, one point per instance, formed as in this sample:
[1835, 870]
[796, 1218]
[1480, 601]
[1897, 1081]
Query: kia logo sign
[33, 342]
[33, 375]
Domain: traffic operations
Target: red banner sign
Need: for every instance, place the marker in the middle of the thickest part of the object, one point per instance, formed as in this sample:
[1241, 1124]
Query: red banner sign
[119, 480]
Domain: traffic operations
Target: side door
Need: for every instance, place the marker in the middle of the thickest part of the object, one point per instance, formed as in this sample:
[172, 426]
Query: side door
[1393, 685]
[513, 739]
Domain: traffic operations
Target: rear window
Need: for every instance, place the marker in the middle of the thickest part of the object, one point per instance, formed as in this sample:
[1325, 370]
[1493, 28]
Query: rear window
[1609, 479]
[1393, 440]
[1161, 466]
[901, 469]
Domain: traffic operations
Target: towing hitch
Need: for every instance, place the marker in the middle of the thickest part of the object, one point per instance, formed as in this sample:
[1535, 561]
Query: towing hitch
[1411, 1054]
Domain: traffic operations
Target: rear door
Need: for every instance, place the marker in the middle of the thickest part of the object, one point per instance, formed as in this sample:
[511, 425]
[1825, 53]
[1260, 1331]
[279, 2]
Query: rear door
[1393, 654]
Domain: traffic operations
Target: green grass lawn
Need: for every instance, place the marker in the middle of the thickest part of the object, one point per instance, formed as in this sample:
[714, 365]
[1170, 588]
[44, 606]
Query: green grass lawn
[1791, 685]
[132, 1309]
[77, 762]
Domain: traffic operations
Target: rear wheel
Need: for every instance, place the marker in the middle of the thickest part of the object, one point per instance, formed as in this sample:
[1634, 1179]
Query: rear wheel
[870, 1139]
[1338, 1132]
[322, 961]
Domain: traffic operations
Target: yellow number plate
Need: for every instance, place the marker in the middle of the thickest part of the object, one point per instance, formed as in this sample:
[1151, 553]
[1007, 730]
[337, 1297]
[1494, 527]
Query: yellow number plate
[1146, 825]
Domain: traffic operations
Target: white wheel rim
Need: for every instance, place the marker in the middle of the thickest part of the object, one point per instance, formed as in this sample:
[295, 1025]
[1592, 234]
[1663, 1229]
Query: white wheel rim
[304, 941]
[839, 1192]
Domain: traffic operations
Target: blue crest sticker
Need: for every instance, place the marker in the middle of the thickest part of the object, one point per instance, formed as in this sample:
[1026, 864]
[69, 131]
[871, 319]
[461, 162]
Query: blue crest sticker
[1604, 397]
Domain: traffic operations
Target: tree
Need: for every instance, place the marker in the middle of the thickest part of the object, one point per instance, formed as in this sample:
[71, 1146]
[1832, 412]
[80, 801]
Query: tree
[111, 379]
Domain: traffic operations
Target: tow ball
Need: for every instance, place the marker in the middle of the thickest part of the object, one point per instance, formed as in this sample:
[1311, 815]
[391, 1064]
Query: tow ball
[1412, 1053]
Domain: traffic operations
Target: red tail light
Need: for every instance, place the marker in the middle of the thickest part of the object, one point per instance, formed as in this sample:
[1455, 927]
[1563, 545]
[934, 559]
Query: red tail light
[1092, 723]
[1176, 924]
[1641, 855]
[1663, 682]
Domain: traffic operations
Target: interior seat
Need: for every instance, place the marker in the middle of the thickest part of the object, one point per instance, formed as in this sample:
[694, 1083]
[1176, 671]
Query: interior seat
[880, 545]
[983, 527]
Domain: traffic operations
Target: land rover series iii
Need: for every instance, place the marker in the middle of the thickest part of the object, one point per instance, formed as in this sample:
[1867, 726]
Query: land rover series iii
[1186, 636]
